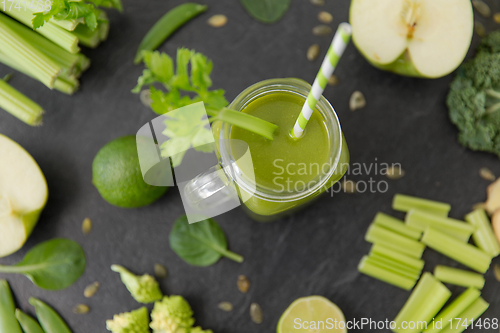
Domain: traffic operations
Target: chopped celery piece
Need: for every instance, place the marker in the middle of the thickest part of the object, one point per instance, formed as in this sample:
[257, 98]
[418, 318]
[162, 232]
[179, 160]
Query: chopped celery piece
[394, 266]
[87, 37]
[422, 220]
[396, 225]
[459, 277]
[380, 235]
[19, 105]
[83, 63]
[471, 314]
[56, 34]
[380, 250]
[464, 253]
[426, 300]
[33, 60]
[405, 203]
[452, 311]
[368, 268]
[69, 25]
[484, 237]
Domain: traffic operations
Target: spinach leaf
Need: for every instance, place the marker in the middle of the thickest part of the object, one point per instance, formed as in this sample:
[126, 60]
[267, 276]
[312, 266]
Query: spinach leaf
[55, 264]
[267, 11]
[200, 244]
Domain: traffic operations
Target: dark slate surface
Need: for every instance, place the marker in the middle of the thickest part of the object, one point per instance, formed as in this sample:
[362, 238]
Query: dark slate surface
[314, 252]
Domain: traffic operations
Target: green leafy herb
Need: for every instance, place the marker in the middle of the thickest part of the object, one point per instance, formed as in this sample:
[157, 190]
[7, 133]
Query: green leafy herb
[54, 264]
[200, 244]
[267, 11]
[186, 130]
[28, 324]
[49, 319]
[8, 322]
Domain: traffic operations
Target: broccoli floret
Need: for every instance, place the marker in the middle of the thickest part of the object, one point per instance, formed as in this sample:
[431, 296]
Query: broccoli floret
[144, 289]
[474, 98]
[136, 321]
[172, 315]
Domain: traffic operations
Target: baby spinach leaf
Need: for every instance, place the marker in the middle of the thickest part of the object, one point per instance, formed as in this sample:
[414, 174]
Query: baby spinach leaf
[267, 11]
[55, 264]
[200, 244]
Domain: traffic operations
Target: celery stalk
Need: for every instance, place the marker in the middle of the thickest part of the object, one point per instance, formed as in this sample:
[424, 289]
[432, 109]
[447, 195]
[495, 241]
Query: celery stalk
[87, 37]
[428, 297]
[380, 250]
[69, 25]
[422, 220]
[56, 34]
[33, 60]
[83, 63]
[464, 253]
[368, 268]
[471, 314]
[380, 235]
[405, 203]
[103, 26]
[396, 225]
[484, 237]
[452, 311]
[459, 277]
[19, 105]
[394, 266]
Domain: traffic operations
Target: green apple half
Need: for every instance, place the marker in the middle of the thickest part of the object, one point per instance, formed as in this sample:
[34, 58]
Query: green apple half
[421, 38]
[23, 195]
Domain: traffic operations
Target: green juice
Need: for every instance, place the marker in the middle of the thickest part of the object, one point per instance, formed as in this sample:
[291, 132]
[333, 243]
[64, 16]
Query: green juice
[284, 165]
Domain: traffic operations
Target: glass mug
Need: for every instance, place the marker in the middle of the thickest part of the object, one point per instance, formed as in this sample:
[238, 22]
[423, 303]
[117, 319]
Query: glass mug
[231, 178]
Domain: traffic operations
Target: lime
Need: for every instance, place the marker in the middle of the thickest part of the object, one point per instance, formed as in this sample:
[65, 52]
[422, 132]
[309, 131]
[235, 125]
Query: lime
[118, 178]
[312, 314]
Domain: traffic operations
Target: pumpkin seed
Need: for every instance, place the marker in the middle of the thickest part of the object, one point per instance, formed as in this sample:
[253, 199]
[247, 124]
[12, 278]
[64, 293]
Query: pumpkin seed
[482, 8]
[160, 271]
[479, 29]
[91, 289]
[357, 101]
[479, 205]
[145, 97]
[395, 172]
[313, 52]
[325, 17]
[486, 174]
[349, 186]
[81, 309]
[243, 284]
[86, 226]
[496, 17]
[322, 30]
[333, 80]
[256, 313]
[497, 272]
[217, 21]
[225, 306]
[318, 2]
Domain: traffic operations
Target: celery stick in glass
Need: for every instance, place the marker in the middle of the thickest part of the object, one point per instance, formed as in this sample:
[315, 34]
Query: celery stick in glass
[459, 277]
[87, 37]
[380, 250]
[464, 253]
[394, 266]
[471, 314]
[428, 297]
[458, 306]
[396, 225]
[405, 203]
[380, 235]
[56, 34]
[19, 105]
[483, 237]
[421, 220]
[33, 60]
[368, 268]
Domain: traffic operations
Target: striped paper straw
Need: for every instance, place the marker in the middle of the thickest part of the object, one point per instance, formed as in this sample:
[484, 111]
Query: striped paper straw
[339, 44]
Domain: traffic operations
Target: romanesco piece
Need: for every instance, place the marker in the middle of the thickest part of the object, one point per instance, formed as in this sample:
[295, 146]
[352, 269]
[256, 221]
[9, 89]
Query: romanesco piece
[198, 329]
[172, 315]
[144, 289]
[130, 322]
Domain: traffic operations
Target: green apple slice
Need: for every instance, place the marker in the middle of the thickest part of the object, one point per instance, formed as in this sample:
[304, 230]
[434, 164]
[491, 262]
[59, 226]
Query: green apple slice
[23, 195]
[423, 38]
